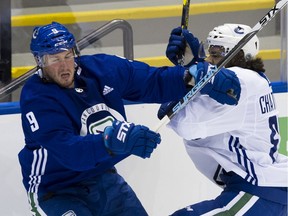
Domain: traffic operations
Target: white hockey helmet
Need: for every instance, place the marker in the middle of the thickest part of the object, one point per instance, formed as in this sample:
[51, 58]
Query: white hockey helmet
[228, 35]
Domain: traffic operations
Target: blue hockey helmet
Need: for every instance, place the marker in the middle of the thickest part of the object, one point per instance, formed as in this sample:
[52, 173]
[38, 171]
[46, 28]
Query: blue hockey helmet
[51, 39]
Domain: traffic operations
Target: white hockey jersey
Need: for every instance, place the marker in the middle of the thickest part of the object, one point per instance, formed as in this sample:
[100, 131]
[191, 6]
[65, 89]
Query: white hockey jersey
[242, 138]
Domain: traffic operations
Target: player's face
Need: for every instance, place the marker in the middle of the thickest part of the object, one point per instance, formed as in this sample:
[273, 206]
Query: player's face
[216, 53]
[59, 68]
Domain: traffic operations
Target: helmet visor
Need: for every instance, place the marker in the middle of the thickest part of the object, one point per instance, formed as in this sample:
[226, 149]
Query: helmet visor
[211, 50]
[216, 51]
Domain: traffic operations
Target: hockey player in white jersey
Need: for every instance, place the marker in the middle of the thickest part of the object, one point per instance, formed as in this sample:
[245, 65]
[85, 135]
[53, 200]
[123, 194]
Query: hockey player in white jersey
[235, 146]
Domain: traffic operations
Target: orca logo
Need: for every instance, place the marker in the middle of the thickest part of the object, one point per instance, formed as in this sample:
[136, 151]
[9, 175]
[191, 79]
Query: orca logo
[35, 33]
[239, 30]
[79, 90]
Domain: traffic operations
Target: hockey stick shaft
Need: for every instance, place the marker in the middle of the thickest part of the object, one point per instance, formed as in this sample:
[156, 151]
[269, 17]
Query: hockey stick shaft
[210, 74]
[184, 24]
[185, 14]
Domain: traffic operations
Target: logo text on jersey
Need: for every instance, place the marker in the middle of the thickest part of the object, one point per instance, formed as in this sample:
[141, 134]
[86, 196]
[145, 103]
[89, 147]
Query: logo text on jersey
[107, 90]
[69, 213]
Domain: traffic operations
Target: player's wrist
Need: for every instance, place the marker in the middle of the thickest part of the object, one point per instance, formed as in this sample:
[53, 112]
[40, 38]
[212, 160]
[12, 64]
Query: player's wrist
[189, 80]
[107, 136]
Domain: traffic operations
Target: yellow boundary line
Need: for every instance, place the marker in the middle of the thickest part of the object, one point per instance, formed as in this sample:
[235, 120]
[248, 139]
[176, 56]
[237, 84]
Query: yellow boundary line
[158, 61]
[139, 13]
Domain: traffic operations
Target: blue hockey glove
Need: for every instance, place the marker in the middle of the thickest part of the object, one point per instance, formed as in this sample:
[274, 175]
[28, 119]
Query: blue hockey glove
[177, 47]
[224, 87]
[126, 138]
[165, 108]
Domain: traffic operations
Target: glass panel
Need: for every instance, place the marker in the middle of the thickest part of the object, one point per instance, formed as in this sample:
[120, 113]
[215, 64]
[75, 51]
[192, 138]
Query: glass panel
[284, 45]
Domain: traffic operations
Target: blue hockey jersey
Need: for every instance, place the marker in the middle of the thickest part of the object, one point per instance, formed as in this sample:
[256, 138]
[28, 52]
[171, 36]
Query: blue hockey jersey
[63, 127]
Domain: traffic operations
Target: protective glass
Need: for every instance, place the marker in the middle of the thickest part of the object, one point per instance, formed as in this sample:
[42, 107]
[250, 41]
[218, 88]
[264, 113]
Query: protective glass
[216, 51]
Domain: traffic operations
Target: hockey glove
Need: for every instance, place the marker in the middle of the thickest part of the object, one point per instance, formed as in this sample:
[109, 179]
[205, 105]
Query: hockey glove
[126, 138]
[224, 87]
[165, 108]
[176, 47]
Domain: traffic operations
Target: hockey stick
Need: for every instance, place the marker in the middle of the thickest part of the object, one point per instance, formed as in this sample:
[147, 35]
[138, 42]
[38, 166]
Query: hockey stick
[185, 14]
[184, 24]
[210, 74]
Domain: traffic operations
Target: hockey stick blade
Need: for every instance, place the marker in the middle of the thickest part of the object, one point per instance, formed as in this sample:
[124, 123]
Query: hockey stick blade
[211, 73]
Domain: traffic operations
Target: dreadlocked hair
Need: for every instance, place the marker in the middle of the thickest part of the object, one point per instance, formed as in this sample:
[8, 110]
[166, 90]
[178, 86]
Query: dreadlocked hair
[255, 64]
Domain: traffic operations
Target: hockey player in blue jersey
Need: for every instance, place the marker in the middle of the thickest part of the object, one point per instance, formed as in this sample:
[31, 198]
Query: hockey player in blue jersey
[75, 125]
[236, 146]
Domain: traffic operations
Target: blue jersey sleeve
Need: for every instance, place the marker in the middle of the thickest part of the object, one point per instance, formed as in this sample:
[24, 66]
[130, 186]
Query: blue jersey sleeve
[137, 81]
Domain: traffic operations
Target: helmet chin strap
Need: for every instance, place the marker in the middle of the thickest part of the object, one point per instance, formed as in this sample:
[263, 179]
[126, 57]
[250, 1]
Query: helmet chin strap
[39, 61]
[41, 74]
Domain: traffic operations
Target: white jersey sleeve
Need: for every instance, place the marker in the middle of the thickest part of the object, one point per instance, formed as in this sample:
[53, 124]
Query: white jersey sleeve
[242, 138]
